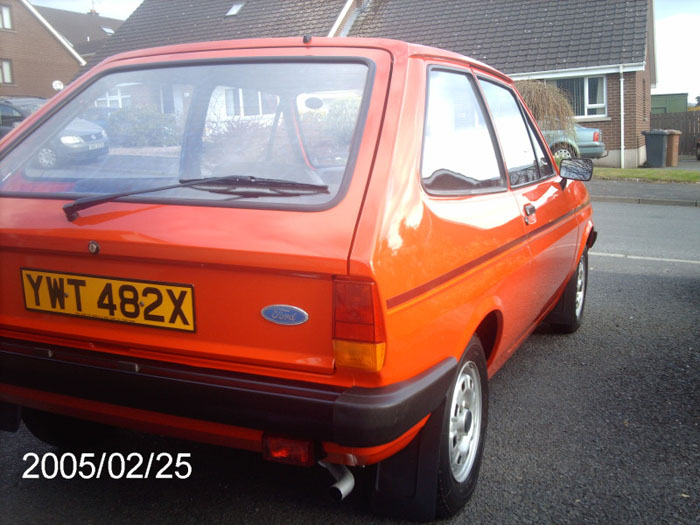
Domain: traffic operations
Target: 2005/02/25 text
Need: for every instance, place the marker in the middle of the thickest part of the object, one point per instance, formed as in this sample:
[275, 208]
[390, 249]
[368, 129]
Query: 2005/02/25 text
[115, 465]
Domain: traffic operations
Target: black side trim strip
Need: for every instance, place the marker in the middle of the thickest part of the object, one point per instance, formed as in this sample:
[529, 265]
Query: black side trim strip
[433, 283]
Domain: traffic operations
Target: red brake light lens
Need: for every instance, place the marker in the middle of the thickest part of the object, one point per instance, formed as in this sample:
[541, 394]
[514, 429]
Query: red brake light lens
[290, 451]
[596, 136]
[357, 315]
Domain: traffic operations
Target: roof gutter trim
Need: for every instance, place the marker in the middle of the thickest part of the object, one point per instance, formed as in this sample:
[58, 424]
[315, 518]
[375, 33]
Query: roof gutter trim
[55, 33]
[579, 71]
[342, 17]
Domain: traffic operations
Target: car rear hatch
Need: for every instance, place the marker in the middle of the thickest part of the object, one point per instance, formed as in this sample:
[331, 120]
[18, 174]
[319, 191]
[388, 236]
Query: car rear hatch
[222, 273]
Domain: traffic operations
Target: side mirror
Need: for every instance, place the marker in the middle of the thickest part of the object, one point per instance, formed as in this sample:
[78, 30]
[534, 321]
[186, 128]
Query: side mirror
[576, 169]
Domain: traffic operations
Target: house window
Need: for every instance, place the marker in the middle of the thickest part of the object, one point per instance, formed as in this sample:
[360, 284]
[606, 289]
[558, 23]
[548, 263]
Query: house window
[107, 30]
[5, 72]
[118, 97]
[249, 103]
[5, 17]
[587, 94]
[235, 8]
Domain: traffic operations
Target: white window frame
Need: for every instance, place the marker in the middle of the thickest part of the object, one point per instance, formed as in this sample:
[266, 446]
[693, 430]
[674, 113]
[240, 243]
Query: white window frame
[6, 76]
[120, 98]
[6, 17]
[586, 106]
[604, 104]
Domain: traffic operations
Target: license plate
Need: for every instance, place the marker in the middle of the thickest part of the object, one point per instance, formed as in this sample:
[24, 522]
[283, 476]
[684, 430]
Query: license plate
[96, 145]
[148, 303]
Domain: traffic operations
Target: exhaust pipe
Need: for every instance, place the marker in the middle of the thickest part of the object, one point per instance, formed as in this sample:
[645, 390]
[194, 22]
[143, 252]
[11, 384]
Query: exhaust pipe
[344, 480]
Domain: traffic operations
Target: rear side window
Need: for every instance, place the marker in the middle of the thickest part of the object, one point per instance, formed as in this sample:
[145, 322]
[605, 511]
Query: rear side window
[516, 137]
[458, 151]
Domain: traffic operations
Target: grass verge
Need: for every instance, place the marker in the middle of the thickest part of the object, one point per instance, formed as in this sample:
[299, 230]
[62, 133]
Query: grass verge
[647, 174]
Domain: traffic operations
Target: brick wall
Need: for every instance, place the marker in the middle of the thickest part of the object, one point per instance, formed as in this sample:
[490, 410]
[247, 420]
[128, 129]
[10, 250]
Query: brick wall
[38, 58]
[637, 110]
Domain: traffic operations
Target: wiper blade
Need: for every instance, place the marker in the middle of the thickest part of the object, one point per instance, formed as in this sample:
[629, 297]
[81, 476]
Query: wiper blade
[244, 181]
[220, 185]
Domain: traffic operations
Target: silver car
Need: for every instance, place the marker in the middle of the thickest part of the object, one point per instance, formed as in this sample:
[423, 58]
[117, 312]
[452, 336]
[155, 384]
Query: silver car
[586, 143]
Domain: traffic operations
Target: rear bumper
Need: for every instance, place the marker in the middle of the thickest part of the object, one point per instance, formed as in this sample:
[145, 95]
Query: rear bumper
[351, 417]
[594, 150]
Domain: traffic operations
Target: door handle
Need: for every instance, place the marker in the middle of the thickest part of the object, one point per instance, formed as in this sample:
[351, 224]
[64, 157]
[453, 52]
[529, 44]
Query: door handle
[530, 210]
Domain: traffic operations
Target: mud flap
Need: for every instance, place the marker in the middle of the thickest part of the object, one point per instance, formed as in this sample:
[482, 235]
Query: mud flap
[10, 417]
[405, 485]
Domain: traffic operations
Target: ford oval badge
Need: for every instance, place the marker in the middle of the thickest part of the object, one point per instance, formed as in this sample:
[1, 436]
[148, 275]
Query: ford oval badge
[284, 314]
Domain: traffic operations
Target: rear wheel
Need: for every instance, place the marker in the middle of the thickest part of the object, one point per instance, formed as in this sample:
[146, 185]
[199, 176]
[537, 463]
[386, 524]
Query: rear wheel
[563, 151]
[436, 474]
[568, 313]
[463, 432]
[63, 431]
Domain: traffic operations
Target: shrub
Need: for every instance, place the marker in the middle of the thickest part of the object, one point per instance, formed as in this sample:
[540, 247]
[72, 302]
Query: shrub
[549, 105]
[141, 126]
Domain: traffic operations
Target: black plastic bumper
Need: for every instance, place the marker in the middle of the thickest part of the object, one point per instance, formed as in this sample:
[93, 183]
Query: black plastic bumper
[356, 416]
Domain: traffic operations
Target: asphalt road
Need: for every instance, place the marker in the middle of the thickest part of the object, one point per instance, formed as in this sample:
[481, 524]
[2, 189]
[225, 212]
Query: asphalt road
[599, 427]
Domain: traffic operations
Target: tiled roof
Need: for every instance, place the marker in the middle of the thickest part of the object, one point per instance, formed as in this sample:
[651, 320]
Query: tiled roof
[78, 28]
[517, 36]
[158, 22]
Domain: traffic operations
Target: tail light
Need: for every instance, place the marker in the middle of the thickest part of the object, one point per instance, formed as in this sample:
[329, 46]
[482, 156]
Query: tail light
[358, 328]
[596, 136]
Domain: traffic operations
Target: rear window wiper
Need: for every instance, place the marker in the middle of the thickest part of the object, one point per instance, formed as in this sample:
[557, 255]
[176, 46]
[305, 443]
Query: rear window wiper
[214, 184]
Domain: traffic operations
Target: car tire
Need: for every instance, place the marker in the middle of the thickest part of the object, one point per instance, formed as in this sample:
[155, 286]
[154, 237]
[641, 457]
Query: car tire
[63, 431]
[563, 151]
[46, 158]
[425, 480]
[567, 315]
[463, 432]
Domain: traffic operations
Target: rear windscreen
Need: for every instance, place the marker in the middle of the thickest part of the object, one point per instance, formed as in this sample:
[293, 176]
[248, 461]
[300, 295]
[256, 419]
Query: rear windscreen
[291, 121]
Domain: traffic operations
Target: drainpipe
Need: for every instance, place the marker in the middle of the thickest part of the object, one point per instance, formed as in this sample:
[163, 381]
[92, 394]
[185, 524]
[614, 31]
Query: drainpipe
[622, 119]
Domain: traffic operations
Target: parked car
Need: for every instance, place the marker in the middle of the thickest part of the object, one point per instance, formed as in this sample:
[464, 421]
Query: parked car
[697, 148]
[586, 143]
[80, 141]
[346, 239]
[14, 110]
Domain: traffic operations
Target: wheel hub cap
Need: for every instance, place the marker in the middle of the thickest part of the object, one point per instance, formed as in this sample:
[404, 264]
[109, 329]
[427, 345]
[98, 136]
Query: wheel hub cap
[465, 421]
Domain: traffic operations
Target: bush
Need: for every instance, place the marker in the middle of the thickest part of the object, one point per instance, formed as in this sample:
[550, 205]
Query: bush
[141, 126]
[549, 105]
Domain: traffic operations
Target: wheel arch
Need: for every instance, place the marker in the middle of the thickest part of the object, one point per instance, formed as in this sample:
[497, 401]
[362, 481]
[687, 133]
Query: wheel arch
[489, 332]
[565, 143]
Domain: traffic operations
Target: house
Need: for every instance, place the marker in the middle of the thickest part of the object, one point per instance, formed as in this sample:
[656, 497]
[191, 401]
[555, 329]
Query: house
[600, 53]
[84, 31]
[33, 55]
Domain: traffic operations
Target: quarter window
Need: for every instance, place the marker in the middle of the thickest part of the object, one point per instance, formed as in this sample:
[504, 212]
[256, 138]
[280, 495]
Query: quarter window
[587, 94]
[515, 135]
[458, 151]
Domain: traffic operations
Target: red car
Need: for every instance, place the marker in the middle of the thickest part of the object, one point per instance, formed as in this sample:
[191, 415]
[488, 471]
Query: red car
[316, 249]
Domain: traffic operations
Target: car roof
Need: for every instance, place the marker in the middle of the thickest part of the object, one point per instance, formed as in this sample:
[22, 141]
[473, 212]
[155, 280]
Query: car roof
[396, 47]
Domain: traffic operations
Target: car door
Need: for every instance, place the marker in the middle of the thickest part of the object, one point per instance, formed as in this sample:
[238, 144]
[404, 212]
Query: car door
[475, 222]
[544, 205]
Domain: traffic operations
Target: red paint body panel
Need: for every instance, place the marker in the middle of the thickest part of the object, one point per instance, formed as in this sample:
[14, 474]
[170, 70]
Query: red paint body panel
[441, 264]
